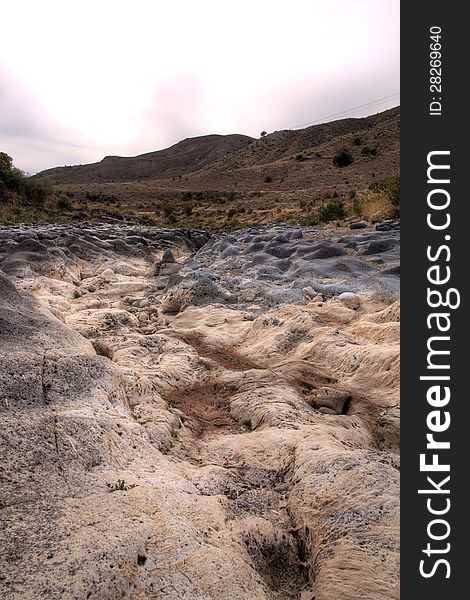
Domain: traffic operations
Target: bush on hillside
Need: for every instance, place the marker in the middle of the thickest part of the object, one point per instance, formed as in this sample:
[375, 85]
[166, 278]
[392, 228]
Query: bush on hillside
[331, 211]
[343, 158]
[63, 202]
[367, 151]
[390, 186]
[357, 205]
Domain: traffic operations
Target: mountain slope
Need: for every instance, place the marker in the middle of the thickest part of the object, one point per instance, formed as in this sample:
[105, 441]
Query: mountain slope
[303, 159]
[214, 181]
[185, 156]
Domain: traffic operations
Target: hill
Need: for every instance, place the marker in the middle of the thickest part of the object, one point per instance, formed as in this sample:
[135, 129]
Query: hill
[220, 180]
[185, 156]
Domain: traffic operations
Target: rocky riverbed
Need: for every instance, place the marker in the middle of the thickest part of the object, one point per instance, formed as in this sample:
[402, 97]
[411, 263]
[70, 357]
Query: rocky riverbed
[199, 417]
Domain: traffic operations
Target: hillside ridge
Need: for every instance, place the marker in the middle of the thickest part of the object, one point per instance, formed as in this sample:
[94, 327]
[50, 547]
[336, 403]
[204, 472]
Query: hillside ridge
[208, 152]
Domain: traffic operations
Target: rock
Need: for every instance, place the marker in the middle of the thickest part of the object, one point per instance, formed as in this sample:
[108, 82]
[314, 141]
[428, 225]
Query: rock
[380, 245]
[132, 441]
[325, 249]
[280, 251]
[350, 300]
[108, 275]
[331, 399]
[392, 270]
[359, 225]
[169, 269]
[388, 225]
[168, 257]
[310, 293]
[327, 411]
[230, 250]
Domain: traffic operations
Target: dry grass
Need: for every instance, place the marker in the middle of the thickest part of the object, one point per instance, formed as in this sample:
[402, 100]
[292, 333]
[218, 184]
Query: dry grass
[373, 205]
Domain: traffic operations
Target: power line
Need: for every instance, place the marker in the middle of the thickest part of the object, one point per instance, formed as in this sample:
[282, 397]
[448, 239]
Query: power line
[349, 110]
[352, 109]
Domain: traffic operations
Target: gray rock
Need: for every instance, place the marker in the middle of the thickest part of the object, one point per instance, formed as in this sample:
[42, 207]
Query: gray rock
[359, 225]
[310, 293]
[168, 257]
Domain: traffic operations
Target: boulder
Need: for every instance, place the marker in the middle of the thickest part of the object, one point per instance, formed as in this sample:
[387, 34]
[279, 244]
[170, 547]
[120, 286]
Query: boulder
[168, 256]
[359, 225]
[350, 300]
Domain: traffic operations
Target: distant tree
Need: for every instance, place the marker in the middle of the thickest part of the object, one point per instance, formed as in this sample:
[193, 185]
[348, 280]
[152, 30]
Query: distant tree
[6, 163]
[263, 133]
[7, 174]
[14, 184]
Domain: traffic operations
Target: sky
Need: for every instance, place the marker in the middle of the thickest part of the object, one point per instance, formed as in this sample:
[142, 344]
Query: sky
[85, 79]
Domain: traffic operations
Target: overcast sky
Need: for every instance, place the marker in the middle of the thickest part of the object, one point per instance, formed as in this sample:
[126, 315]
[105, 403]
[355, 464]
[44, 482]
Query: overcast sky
[81, 80]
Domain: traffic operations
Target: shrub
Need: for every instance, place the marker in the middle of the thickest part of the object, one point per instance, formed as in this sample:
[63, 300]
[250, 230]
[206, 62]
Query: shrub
[369, 204]
[268, 179]
[188, 210]
[17, 214]
[357, 141]
[390, 186]
[332, 210]
[168, 209]
[343, 158]
[63, 202]
[232, 224]
[36, 191]
[312, 219]
[357, 205]
[231, 213]
[366, 151]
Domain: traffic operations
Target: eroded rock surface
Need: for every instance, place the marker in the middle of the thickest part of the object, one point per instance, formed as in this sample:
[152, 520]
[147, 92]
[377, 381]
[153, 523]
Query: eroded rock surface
[185, 416]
